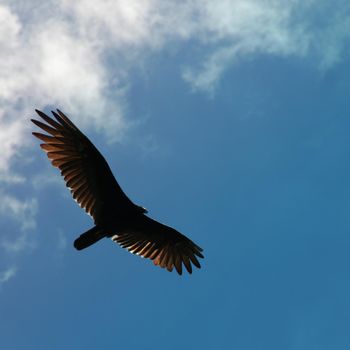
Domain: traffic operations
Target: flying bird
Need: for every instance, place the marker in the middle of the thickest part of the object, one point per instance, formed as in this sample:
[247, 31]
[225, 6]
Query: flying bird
[95, 189]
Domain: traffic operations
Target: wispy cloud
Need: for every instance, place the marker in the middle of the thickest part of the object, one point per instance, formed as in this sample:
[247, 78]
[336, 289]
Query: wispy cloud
[23, 211]
[235, 30]
[19, 244]
[7, 274]
[23, 214]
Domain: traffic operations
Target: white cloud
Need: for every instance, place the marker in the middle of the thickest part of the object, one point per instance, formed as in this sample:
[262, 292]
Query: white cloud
[239, 28]
[207, 76]
[23, 213]
[7, 274]
[12, 138]
[22, 243]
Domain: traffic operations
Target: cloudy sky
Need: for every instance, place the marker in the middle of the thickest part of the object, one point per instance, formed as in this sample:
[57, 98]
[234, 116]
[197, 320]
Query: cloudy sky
[228, 120]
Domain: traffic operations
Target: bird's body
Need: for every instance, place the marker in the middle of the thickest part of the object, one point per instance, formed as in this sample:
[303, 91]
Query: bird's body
[96, 190]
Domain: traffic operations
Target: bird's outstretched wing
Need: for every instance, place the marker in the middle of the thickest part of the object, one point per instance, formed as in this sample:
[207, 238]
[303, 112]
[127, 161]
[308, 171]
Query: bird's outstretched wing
[167, 247]
[84, 169]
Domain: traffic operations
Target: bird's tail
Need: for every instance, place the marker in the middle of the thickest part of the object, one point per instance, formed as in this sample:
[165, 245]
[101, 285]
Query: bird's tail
[88, 238]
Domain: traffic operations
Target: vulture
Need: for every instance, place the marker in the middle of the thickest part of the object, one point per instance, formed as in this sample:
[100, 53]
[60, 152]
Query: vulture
[93, 186]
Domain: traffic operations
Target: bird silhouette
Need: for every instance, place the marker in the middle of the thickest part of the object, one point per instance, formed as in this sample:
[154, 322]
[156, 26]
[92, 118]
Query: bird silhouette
[95, 189]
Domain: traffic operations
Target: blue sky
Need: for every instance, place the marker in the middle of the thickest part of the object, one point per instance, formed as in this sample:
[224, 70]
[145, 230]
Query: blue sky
[228, 120]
